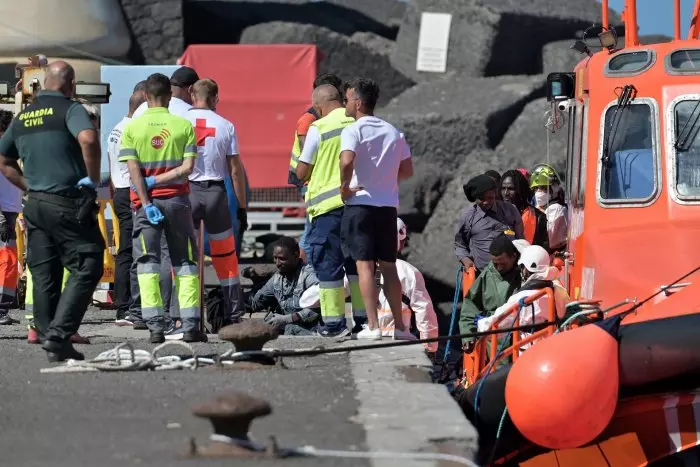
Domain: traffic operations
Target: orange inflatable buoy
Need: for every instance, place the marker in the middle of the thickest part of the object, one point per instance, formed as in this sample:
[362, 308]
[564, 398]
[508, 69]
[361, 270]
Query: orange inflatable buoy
[562, 392]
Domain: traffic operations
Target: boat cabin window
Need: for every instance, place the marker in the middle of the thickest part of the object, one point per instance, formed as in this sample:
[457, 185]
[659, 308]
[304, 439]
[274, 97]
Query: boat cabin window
[686, 62]
[628, 164]
[687, 148]
[629, 63]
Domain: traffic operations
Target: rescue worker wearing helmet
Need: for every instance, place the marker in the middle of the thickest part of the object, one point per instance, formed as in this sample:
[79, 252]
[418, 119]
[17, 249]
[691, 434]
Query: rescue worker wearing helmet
[482, 222]
[549, 198]
[537, 274]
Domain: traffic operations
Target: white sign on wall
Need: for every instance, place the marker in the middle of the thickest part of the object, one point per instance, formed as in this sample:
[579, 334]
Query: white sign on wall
[433, 40]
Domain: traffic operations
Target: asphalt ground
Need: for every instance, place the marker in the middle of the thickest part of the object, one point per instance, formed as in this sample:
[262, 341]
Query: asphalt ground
[145, 418]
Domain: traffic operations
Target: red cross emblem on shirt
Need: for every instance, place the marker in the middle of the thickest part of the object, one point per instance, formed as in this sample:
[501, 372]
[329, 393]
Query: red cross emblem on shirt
[202, 132]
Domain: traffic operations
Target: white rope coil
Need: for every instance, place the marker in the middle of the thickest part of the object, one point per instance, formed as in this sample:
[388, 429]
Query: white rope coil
[125, 358]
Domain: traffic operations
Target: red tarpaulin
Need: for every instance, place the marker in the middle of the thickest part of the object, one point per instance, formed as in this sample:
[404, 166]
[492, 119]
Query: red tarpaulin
[263, 90]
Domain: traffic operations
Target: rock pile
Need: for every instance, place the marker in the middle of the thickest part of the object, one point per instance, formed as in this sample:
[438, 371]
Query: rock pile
[157, 30]
[487, 110]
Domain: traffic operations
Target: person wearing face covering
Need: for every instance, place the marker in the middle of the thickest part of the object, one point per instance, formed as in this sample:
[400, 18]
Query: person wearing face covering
[482, 222]
[549, 199]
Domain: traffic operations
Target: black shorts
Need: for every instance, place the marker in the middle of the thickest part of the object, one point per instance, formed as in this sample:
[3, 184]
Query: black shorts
[368, 233]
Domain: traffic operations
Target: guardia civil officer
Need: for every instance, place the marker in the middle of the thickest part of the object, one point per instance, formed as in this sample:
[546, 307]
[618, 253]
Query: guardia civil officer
[60, 153]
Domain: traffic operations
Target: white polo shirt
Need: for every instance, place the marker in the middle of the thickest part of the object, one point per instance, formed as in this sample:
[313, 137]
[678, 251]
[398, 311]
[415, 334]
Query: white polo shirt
[379, 149]
[118, 171]
[216, 140]
[176, 107]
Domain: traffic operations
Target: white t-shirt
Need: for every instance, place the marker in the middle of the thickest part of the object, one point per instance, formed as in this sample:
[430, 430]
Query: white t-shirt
[176, 107]
[216, 139]
[118, 171]
[310, 149]
[379, 149]
[10, 196]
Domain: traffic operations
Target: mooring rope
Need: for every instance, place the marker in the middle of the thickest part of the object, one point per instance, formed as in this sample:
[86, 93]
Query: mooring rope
[125, 358]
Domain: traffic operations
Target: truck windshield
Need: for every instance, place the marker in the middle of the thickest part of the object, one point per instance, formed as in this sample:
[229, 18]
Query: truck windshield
[629, 171]
[687, 147]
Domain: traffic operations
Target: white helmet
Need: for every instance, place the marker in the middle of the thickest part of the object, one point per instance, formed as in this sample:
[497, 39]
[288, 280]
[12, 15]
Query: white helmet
[401, 232]
[535, 259]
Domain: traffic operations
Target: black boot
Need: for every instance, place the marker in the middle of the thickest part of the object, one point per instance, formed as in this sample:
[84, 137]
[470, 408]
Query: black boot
[195, 336]
[157, 337]
[61, 351]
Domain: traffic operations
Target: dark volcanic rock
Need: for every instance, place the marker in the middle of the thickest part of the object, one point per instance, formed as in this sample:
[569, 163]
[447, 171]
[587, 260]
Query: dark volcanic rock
[388, 12]
[345, 56]
[525, 143]
[223, 21]
[560, 57]
[447, 119]
[494, 37]
[157, 28]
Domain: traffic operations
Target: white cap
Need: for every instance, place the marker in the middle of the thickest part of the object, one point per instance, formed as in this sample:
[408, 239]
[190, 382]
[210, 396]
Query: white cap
[535, 259]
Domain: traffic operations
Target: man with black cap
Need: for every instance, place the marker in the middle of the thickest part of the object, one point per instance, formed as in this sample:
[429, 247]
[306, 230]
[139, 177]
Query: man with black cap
[181, 83]
[482, 222]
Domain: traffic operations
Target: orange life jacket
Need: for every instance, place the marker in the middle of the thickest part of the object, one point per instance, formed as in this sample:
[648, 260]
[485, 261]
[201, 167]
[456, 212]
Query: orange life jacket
[529, 223]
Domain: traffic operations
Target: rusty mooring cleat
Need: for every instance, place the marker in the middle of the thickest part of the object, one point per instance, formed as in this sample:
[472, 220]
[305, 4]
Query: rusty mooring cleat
[231, 416]
[250, 336]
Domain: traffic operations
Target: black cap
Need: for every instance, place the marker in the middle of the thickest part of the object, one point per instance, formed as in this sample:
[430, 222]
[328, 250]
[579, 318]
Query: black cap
[477, 186]
[184, 77]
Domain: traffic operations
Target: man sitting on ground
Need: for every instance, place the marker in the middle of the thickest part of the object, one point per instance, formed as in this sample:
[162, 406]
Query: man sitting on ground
[415, 299]
[491, 289]
[283, 290]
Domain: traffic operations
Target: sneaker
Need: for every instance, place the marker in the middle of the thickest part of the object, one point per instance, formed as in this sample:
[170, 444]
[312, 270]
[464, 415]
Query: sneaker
[369, 334]
[78, 339]
[403, 336]
[33, 336]
[7, 320]
[157, 338]
[194, 336]
[322, 331]
[123, 320]
[175, 333]
[140, 326]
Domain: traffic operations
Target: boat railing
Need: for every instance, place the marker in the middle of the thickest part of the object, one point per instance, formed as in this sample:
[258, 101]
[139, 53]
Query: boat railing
[479, 362]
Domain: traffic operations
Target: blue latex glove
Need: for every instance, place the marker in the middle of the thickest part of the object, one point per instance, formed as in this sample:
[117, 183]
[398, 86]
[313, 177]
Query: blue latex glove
[150, 182]
[478, 318]
[86, 182]
[153, 214]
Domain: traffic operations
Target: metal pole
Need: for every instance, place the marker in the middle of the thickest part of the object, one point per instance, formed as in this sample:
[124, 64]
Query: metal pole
[200, 271]
[677, 20]
[693, 32]
[631, 23]
[606, 20]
